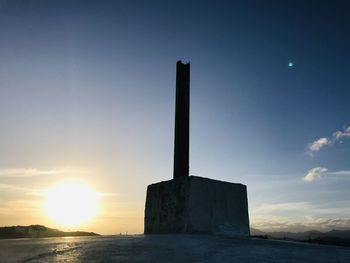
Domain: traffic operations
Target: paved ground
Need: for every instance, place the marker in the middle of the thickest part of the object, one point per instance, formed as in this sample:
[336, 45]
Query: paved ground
[167, 248]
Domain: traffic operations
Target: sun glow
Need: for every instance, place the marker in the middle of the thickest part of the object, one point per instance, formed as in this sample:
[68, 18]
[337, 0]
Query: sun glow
[71, 203]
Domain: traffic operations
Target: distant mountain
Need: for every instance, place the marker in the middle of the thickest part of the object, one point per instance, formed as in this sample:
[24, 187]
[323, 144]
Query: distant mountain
[310, 234]
[35, 231]
[257, 232]
[298, 235]
[333, 237]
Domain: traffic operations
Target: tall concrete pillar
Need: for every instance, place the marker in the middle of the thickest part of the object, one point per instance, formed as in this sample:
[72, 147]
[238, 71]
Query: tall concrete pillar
[182, 120]
[192, 204]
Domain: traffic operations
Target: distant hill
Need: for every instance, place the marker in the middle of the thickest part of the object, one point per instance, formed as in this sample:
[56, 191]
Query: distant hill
[257, 232]
[333, 237]
[36, 231]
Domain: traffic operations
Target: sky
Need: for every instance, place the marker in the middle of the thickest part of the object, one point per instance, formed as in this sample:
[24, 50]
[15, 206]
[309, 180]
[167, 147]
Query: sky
[88, 93]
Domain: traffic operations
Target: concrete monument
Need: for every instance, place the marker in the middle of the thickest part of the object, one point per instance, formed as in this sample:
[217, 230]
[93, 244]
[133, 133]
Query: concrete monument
[191, 204]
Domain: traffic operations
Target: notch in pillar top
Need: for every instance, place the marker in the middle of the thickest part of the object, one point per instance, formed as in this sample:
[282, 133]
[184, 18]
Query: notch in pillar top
[179, 62]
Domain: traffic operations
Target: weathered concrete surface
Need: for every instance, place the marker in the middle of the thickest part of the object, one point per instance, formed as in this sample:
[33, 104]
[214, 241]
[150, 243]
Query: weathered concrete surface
[197, 205]
[167, 248]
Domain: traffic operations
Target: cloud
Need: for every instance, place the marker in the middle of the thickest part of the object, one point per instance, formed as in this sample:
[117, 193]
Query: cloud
[267, 209]
[271, 224]
[318, 172]
[12, 187]
[315, 173]
[337, 136]
[26, 172]
[300, 216]
[38, 192]
[26, 207]
[318, 144]
[109, 194]
[347, 173]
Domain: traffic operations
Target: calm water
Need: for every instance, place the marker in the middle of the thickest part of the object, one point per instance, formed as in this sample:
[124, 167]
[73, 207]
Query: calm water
[166, 248]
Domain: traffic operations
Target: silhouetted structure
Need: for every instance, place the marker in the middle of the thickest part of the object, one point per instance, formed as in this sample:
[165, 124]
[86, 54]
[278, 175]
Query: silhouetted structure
[192, 204]
[182, 120]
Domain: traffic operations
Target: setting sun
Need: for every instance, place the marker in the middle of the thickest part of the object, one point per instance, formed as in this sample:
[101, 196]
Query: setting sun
[71, 203]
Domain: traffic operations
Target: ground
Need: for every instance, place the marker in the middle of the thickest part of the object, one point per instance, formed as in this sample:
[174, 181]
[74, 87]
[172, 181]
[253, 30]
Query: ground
[167, 248]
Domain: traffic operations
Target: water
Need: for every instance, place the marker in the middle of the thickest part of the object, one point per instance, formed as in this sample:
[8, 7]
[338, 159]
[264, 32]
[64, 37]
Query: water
[166, 248]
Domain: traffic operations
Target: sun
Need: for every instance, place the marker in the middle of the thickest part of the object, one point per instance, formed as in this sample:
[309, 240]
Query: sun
[71, 203]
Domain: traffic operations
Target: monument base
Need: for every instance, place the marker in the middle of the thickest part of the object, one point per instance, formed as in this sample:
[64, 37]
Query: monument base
[192, 204]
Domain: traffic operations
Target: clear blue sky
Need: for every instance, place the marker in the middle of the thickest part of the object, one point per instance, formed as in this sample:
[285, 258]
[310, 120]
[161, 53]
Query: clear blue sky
[91, 85]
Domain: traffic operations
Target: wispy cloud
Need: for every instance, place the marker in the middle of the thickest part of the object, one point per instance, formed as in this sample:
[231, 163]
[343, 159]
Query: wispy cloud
[318, 144]
[268, 208]
[315, 173]
[300, 216]
[26, 172]
[12, 187]
[318, 172]
[38, 192]
[271, 224]
[20, 206]
[109, 194]
[338, 135]
[347, 173]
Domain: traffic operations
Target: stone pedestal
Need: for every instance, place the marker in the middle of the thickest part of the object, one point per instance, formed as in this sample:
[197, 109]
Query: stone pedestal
[191, 204]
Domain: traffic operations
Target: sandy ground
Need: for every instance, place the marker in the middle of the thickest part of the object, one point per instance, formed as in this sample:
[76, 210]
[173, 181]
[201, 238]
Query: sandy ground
[167, 248]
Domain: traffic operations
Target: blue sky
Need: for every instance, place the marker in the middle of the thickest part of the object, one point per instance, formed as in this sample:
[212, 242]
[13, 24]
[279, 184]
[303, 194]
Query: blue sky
[89, 87]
